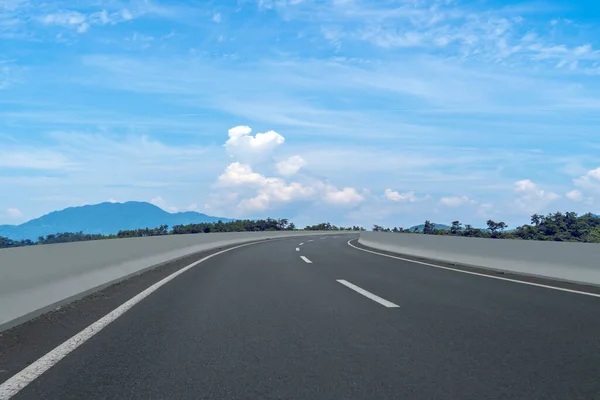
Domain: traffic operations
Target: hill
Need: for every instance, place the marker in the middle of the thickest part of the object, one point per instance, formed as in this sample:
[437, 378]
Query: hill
[104, 218]
[436, 226]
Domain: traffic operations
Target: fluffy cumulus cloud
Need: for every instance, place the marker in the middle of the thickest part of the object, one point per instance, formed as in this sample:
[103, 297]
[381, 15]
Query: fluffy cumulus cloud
[268, 191]
[531, 198]
[240, 174]
[291, 165]
[587, 188]
[256, 191]
[345, 196]
[242, 145]
[590, 182]
[275, 192]
[408, 197]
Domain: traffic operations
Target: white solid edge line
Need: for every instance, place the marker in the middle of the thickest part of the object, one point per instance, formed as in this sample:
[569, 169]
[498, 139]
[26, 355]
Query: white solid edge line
[306, 260]
[478, 274]
[23, 378]
[368, 294]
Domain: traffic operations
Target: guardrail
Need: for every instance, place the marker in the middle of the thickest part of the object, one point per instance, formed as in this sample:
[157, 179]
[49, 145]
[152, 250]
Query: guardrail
[36, 279]
[572, 262]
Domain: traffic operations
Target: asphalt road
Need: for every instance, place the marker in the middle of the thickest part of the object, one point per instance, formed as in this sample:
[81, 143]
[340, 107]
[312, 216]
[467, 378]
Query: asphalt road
[260, 322]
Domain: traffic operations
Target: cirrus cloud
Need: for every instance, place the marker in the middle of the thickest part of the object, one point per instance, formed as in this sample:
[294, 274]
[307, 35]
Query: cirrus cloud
[456, 201]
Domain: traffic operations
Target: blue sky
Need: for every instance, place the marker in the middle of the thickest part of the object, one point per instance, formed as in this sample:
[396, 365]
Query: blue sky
[350, 111]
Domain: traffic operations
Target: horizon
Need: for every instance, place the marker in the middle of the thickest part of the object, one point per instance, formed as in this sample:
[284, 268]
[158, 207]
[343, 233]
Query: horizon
[169, 212]
[352, 112]
[405, 226]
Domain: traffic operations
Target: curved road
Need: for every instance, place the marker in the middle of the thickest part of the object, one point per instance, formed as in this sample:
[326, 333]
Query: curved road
[323, 320]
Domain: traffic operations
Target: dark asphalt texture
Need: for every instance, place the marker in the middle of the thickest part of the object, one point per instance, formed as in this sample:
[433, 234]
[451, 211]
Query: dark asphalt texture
[25, 343]
[259, 323]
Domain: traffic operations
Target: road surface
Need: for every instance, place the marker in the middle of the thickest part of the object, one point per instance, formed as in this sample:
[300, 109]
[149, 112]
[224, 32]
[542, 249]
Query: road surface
[319, 319]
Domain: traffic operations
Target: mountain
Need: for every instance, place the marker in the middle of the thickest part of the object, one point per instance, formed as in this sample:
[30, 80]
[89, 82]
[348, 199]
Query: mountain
[435, 226]
[104, 218]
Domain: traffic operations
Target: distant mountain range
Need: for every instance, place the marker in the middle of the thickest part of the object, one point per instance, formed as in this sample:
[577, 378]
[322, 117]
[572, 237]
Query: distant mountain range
[104, 218]
[435, 226]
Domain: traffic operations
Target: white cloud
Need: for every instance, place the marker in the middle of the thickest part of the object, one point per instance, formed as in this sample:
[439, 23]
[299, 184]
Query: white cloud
[241, 174]
[274, 192]
[126, 15]
[531, 198]
[574, 195]
[290, 166]
[192, 207]
[595, 174]
[495, 34]
[102, 16]
[259, 192]
[588, 187]
[82, 22]
[162, 203]
[280, 191]
[64, 18]
[590, 181]
[34, 159]
[242, 144]
[409, 197]
[216, 18]
[456, 201]
[14, 213]
[269, 190]
[258, 203]
[83, 28]
[345, 196]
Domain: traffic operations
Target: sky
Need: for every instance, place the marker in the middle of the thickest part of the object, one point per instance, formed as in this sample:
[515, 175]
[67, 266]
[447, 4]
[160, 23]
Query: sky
[363, 112]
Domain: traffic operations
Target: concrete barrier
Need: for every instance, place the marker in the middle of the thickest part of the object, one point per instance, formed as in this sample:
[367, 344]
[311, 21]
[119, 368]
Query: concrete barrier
[37, 279]
[572, 262]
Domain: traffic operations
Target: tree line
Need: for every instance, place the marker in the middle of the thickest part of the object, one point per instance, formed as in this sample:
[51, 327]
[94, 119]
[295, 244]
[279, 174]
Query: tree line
[562, 227]
[558, 226]
[246, 225]
[326, 226]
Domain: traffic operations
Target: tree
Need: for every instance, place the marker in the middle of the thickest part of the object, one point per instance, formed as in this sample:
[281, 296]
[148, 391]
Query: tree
[456, 227]
[502, 226]
[494, 227]
[6, 242]
[378, 228]
[428, 228]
